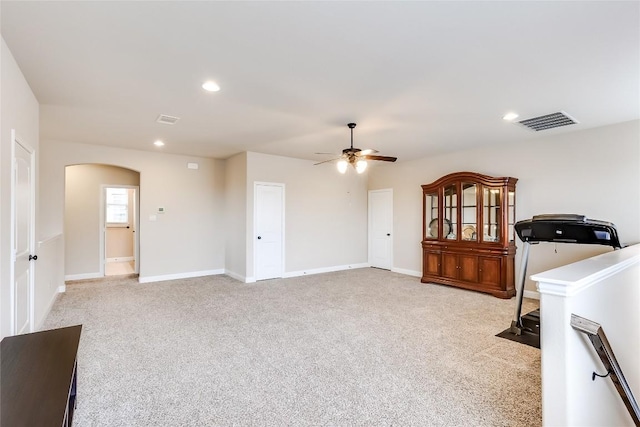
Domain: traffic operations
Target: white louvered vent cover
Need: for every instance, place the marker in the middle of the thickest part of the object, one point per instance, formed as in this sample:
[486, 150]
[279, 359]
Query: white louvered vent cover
[167, 120]
[549, 121]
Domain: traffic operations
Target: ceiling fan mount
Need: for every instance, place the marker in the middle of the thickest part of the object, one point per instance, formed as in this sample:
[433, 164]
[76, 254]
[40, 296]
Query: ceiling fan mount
[356, 157]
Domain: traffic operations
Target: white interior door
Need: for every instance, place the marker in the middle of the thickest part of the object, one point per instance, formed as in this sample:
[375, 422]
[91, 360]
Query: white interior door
[380, 228]
[269, 231]
[23, 221]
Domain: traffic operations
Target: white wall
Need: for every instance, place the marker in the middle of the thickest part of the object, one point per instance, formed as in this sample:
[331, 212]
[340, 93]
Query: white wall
[82, 219]
[19, 110]
[592, 172]
[187, 240]
[236, 216]
[605, 290]
[325, 213]
[49, 276]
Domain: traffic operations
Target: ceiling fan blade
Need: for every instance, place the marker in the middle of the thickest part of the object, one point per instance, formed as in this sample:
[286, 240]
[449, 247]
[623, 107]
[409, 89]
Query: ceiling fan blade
[326, 161]
[382, 158]
[367, 152]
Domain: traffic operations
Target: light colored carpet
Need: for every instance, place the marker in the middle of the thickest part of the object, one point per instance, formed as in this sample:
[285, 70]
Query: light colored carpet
[362, 347]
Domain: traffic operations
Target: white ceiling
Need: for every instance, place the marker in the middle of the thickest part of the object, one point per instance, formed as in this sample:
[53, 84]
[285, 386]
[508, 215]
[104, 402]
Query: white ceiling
[419, 78]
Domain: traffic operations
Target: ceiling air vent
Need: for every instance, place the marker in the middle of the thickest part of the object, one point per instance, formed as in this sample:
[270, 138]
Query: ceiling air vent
[549, 121]
[167, 120]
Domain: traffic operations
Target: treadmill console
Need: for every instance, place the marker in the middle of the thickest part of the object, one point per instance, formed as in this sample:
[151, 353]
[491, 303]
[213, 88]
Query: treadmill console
[567, 228]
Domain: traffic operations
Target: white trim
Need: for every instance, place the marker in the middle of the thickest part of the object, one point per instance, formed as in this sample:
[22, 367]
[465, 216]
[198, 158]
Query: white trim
[235, 275]
[83, 276]
[121, 259]
[407, 272]
[531, 294]
[176, 276]
[255, 219]
[62, 289]
[49, 239]
[47, 310]
[325, 270]
[369, 233]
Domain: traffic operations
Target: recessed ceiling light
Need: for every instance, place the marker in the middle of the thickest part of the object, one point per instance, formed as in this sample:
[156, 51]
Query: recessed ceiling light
[158, 143]
[510, 116]
[210, 86]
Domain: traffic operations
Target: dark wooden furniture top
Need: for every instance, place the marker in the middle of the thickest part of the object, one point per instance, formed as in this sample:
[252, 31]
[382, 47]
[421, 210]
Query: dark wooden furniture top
[37, 375]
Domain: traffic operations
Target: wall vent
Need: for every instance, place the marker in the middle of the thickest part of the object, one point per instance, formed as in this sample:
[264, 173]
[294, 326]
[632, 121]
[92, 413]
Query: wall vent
[167, 120]
[549, 121]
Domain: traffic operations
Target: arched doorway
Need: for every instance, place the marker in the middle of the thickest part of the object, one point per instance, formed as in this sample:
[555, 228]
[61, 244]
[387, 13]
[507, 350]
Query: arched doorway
[101, 218]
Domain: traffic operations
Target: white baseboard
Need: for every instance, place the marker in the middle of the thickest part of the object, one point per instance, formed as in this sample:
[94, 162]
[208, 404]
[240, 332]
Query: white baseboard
[235, 275]
[176, 276]
[48, 309]
[325, 270]
[83, 276]
[62, 289]
[407, 272]
[531, 294]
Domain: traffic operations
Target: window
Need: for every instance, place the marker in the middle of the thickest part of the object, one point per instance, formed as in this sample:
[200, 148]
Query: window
[117, 206]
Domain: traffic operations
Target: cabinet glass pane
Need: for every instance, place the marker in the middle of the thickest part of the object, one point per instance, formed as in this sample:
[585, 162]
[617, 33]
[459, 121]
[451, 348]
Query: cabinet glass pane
[469, 208]
[450, 220]
[431, 216]
[491, 215]
[512, 214]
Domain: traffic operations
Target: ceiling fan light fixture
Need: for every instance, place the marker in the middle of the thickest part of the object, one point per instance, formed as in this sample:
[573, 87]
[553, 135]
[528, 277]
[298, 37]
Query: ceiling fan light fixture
[342, 166]
[361, 166]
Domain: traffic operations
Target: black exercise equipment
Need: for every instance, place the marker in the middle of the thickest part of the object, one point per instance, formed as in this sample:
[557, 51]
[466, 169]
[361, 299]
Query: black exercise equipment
[555, 228]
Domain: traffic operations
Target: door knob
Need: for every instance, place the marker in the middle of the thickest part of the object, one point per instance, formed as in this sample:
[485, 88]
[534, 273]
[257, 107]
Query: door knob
[33, 257]
[259, 237]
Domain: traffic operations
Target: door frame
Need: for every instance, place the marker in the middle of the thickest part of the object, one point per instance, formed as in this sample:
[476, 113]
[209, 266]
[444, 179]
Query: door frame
[15, 140]
[369, 226]
[255, 225]
[103, 226]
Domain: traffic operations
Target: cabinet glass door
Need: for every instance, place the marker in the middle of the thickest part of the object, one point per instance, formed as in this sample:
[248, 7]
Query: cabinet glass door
[491, 214]
[469, 209]
[450, 220]
[431, 216]
[511, 199]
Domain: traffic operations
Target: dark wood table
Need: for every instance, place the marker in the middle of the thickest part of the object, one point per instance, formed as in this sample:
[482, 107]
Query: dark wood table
[38, 378]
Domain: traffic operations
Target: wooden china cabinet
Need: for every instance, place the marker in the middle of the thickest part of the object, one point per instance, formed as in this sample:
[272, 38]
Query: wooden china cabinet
[468, 235]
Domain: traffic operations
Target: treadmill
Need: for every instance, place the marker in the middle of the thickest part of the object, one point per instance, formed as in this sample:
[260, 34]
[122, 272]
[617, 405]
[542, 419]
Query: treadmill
[555, 228]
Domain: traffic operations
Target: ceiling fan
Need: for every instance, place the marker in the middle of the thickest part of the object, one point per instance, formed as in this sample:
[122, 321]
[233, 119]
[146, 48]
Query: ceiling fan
[356, 157]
